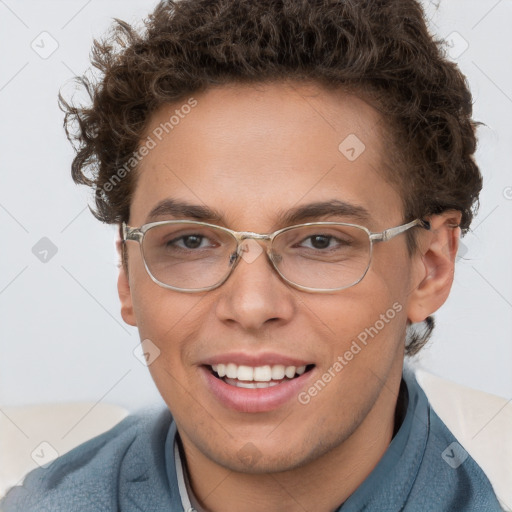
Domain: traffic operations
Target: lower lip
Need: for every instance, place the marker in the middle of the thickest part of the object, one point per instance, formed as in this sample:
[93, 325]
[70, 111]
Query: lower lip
[254, 400]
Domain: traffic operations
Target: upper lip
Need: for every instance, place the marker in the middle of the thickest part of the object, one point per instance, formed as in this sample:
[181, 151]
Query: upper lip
[255, 360]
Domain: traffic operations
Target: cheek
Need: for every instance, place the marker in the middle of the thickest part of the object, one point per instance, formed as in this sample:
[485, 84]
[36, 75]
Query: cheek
[391, 268]
[376, 300]
[168, 325]
[159, 312]
[166, 317]
[365, 326]
[364, 346]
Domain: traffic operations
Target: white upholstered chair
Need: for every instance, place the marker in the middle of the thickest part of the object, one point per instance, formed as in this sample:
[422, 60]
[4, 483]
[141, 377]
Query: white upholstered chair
[32, 436]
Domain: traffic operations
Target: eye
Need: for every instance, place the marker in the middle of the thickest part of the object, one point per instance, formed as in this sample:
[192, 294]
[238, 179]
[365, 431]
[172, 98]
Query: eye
[192, 241]
[320, 242]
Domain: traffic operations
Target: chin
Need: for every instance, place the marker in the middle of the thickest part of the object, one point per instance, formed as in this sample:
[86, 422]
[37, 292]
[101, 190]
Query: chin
[266, 456]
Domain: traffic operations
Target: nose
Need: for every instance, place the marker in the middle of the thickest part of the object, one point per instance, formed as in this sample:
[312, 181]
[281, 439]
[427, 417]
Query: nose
[254, 296]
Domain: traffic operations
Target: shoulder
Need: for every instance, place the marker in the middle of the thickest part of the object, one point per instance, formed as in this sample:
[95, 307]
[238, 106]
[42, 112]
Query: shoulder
[452, 465]
[89, 476]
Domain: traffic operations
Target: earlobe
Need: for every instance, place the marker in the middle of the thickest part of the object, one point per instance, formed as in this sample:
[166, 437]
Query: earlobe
[125, 297]
[435, 266]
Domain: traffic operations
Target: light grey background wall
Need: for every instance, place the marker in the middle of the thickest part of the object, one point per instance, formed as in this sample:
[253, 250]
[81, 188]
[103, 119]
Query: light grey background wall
[61, 334]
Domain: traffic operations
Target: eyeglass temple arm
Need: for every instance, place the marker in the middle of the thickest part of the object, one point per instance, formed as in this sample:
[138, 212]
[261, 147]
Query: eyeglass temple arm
[129, 233]
[390, 233]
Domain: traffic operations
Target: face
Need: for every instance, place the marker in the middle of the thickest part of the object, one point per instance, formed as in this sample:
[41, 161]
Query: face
[252, 154]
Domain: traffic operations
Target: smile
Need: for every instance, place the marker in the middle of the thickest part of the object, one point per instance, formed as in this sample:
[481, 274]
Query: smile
[256, 389]
[256, 377]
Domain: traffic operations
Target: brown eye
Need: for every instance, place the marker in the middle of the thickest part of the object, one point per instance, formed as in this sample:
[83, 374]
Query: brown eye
[192, 241]
[320, 242]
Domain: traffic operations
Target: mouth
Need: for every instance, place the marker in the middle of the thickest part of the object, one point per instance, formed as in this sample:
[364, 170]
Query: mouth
[257, 377]
[256, 389]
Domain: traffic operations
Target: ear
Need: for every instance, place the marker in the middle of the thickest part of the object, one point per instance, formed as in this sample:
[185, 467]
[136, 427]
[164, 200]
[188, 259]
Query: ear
[123, 285]
[435, 265]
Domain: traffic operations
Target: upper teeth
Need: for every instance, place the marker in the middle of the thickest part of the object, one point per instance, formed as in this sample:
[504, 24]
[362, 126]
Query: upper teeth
[259, 373]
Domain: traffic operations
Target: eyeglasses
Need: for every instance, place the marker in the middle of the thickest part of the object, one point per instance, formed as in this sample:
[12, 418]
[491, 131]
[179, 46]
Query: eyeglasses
[190, 256]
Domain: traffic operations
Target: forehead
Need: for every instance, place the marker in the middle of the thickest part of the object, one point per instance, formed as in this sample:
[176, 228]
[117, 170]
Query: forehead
[252, 152]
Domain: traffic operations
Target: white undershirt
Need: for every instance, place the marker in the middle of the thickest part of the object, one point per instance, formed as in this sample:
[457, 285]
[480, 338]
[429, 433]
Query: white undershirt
[182, 487]
[186, 493]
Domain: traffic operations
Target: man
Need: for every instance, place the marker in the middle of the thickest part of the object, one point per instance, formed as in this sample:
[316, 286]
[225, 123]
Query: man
[290, 180]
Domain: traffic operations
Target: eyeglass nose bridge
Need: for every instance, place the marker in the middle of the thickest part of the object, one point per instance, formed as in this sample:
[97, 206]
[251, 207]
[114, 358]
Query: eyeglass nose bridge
[250, 235]
[242, 236]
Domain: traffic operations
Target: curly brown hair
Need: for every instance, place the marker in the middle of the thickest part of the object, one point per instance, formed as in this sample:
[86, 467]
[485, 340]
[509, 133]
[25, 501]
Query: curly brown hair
[380, 50]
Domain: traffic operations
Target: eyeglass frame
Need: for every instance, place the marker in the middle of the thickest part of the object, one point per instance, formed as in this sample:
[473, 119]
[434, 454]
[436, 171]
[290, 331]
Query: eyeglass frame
[137, 235]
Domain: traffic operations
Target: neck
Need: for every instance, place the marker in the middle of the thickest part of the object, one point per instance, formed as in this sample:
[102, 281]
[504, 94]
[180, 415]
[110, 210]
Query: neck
[321, 485]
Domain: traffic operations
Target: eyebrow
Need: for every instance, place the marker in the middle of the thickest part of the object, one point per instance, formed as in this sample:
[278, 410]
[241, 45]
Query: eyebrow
[182, 209]
[334, 208]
